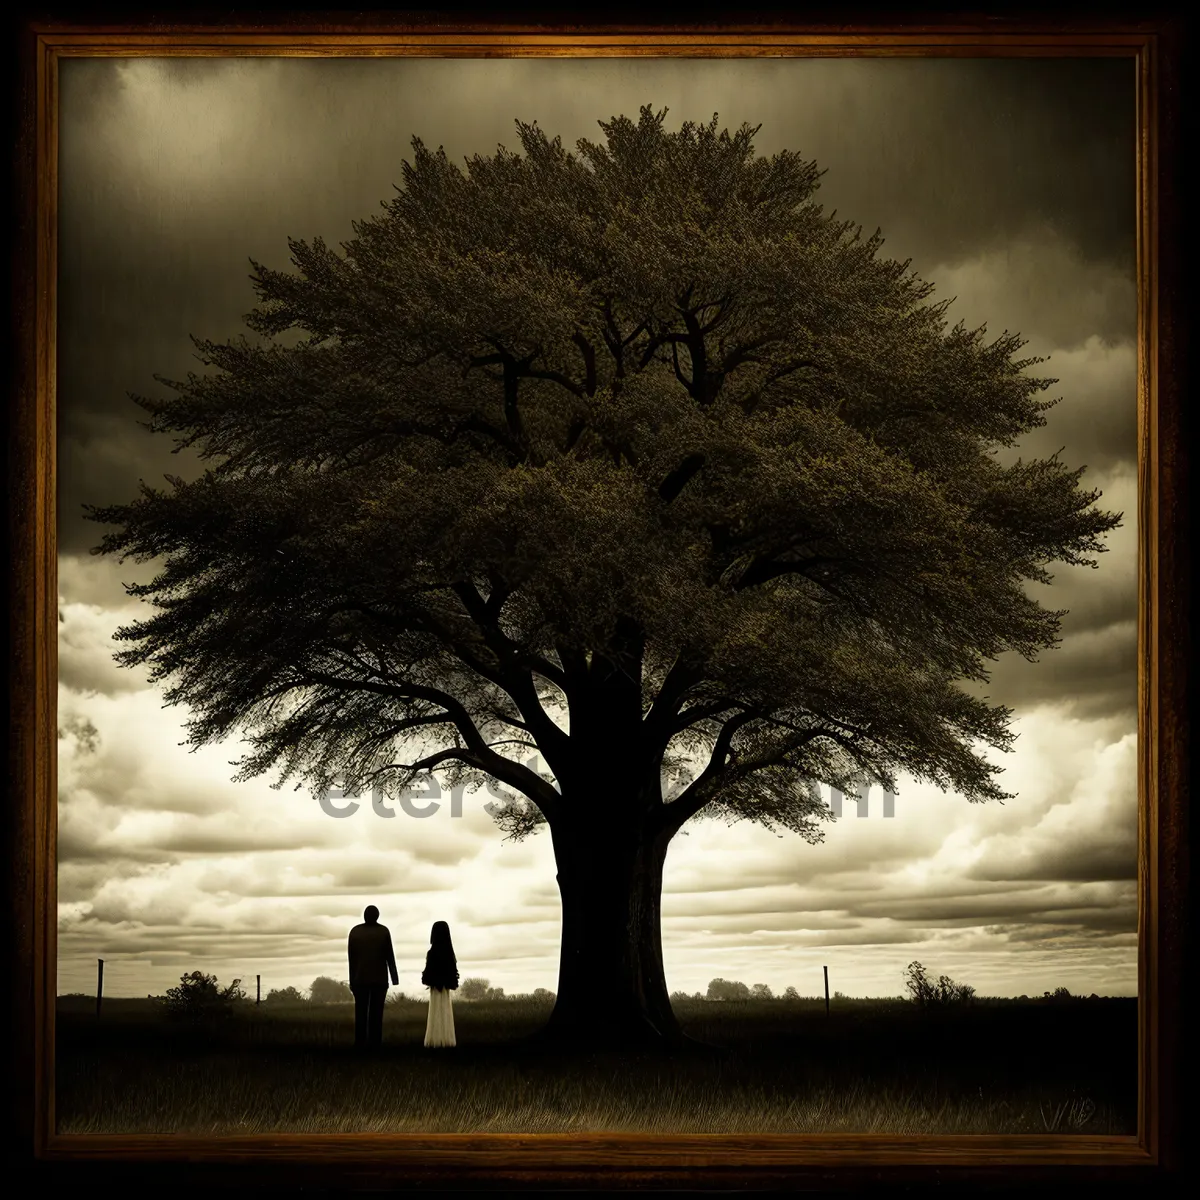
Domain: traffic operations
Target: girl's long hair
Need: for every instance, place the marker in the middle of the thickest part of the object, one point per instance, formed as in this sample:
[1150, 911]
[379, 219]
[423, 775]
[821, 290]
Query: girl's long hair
[441, 967]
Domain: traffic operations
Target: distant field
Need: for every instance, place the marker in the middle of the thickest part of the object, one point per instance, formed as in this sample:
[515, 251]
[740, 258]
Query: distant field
[871, 1066]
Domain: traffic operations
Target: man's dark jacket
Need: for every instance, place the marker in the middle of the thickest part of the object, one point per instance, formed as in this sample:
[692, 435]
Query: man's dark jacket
[371, 957]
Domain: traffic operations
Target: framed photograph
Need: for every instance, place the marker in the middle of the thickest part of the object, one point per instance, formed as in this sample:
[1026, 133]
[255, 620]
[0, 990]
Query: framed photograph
[599, 606]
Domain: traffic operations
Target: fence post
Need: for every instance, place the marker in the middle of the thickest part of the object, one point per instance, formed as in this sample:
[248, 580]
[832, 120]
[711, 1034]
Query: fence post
[258, 989]
[826, 970]
[99, 983]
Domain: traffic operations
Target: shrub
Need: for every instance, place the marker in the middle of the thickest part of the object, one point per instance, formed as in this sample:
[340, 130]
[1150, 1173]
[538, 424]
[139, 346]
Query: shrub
[200, 998]
[945, 993]
[473, 989]
[727, 989]
[329, 991]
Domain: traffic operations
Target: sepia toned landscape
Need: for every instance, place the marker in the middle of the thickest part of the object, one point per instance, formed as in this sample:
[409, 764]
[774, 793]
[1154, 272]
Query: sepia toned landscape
[515, 495]
[775, 1066]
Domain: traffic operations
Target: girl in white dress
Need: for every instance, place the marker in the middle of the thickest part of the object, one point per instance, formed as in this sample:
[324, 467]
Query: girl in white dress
[441, 977]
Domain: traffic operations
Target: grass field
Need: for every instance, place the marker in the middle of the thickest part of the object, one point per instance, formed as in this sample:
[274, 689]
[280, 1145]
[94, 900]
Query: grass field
[782, 1067]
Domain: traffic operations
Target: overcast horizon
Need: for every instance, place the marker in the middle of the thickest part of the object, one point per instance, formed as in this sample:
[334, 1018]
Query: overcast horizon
[1010, 186]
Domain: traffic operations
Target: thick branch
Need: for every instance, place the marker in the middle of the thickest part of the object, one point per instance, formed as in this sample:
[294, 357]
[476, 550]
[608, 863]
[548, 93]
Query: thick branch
[514, 774]
[677, 480]
[589, 362]
[718, 771]
[703, 712]
[699, 386]
[484, 614]
[452, 754]
[656, 343]
[680, 677]
[512, 414]
[698, 793]
[679, 375]
[518, 680]
[575, 667]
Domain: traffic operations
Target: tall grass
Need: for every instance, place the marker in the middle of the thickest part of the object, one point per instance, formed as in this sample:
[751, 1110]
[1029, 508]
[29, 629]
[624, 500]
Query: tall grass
[871, 1066]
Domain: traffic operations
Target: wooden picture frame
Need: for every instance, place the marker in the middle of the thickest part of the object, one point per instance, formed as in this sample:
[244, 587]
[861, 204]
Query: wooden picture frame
[741, 1161]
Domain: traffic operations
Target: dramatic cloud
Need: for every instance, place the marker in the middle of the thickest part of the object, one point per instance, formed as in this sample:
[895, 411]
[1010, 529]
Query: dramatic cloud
[1010, 186]
[176, 172]
[162, 855]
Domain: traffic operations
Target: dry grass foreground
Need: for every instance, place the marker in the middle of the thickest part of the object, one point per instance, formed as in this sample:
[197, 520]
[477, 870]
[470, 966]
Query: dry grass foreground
[783, 1067]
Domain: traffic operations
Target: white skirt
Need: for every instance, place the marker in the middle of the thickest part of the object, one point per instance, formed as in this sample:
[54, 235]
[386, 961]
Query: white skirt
[439, 1029]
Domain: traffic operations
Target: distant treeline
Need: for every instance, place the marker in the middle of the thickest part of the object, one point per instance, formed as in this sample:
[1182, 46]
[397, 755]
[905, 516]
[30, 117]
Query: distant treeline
[202, 994]
[921, 990]
[332, 991]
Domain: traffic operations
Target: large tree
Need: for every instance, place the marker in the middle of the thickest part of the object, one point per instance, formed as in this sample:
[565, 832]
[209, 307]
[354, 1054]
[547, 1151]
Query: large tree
[632, 455]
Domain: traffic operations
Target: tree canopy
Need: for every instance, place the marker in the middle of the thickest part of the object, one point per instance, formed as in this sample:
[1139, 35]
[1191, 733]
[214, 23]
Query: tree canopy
[633, 455]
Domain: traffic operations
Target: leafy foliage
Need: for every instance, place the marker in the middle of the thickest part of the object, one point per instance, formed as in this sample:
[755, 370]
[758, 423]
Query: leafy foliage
[634, 441]
[329, 991]
[473, 989]
[727, 989]
[198, 997]
[287, 995]
[481, 989]
[944, 993]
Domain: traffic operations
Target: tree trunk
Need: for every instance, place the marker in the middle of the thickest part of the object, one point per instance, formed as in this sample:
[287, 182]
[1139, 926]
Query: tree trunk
[612, 989]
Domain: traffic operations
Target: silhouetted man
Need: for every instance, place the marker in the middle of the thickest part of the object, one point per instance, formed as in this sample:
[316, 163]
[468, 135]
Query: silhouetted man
[371, 961]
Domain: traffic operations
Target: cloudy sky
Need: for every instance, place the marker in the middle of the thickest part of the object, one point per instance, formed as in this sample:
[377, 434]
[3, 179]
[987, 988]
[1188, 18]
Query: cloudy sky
[1009, 184]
